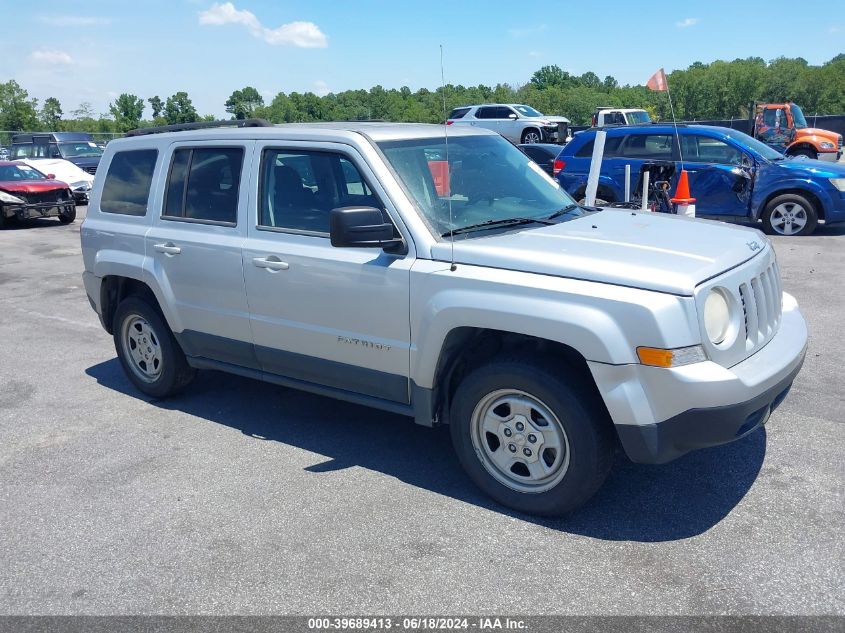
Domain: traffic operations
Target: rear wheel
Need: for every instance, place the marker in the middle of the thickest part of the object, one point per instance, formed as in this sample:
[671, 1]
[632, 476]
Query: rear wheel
[527, 440]
[790, 214]
[148, 351]
[532, 135]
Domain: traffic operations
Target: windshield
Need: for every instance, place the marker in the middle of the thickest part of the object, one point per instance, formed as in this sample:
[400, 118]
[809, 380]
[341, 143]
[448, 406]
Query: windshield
[80, 149]
[19, 172]
[485, 179]
[797, 116]
[525, 110]
[753, 144]
[638, 117]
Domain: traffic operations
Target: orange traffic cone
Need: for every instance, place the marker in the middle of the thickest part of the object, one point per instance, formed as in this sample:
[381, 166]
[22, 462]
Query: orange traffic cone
[683, 201]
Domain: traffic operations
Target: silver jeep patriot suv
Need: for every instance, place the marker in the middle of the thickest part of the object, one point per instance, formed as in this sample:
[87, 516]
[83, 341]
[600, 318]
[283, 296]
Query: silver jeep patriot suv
[444, 278]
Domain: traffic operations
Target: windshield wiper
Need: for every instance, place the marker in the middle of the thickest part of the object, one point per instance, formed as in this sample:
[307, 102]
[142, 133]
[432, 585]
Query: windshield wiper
[492, 224]
[564, 211]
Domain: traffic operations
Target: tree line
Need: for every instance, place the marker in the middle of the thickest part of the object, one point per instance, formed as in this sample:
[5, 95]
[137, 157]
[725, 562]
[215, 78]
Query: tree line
[719, 90]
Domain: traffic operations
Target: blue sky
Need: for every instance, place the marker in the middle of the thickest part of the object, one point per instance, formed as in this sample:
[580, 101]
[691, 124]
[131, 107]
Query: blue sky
[92, 50]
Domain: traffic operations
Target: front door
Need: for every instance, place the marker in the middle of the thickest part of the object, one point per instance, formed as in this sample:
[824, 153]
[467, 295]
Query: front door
[336, 317]
[720, 176]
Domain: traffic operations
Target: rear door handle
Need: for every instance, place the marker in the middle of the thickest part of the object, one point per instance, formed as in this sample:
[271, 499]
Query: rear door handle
[168, 248]
[271, 263]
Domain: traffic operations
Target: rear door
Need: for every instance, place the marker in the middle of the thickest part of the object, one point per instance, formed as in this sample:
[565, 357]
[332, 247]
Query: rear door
[336, 317]
[717, 178]
[488, 118]
[195, 244]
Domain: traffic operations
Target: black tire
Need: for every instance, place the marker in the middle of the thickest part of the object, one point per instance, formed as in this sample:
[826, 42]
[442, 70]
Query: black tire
[798, 205]
[174, 373]
[3, 221]
[805, 151]
[530, 134]
[575, 404]
[67, 218]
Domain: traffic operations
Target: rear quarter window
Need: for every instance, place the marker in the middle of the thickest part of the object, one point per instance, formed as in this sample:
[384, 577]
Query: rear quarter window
[458, 113]
[126, 189]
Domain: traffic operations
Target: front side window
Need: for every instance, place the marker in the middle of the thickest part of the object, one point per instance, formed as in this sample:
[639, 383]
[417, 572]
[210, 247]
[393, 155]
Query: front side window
[300, 188]
[486, 179]
[127, 186]
[703, 149]
[204, 183]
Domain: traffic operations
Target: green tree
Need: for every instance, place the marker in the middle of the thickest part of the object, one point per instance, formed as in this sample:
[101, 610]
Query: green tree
[17, 110]
[549, 76]
[157, 106]
[51, 114]
[179, 109]
[243, 103]
[127, 111]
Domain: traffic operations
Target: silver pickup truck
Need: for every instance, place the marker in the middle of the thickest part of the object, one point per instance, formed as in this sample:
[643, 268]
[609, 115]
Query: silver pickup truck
[444, 278]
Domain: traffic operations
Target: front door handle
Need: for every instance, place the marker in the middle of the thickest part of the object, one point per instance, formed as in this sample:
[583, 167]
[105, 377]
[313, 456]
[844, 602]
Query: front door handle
[168, 248]
[271, 263]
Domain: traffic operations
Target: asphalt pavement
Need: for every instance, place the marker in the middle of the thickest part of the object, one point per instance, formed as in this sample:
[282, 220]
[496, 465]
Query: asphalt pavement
[247, 498]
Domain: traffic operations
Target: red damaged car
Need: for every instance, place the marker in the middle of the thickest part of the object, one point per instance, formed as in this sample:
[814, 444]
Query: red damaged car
[27, 193]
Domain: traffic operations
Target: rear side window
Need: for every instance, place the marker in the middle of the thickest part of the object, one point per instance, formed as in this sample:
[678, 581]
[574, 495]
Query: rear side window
[611, 147]
[649, 146]
[486, 113]
[127, 186]
[203, 184]
[458, 113]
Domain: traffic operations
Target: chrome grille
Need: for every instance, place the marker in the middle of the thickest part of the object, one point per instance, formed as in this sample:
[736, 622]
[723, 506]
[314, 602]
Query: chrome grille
[761, 298]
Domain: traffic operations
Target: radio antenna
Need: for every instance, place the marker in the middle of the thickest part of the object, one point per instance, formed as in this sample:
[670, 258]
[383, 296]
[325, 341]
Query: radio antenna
[447, 175]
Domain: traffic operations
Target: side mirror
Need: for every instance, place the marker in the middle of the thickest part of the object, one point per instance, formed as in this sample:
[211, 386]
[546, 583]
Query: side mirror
[362, 227]
[513, 116]
[51, 176]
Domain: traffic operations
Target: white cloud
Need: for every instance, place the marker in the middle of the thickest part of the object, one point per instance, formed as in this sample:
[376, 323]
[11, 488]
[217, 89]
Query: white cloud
[321, 88]
[301, 34]
[50, 57]
[687, 22]
[74, 20]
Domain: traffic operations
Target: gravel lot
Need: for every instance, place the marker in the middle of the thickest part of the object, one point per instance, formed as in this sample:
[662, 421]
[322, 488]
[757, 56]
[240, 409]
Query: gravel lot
[241, 497]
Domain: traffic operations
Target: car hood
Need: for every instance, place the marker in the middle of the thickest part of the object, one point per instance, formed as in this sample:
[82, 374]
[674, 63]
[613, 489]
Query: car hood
[808, 167]
[551, 119]
[665, 253]
[31, 186]
[833, 137]
[64, 170]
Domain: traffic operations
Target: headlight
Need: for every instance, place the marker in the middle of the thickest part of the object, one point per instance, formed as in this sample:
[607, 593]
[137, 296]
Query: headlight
[826, 145]
[717, 316]
[7, 197]
[839, 183]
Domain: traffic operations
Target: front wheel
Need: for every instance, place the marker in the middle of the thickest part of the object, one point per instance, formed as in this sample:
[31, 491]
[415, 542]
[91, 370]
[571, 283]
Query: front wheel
[530, 440]
[148, 351]
[532, 135]
[790, 214]
[66, 217]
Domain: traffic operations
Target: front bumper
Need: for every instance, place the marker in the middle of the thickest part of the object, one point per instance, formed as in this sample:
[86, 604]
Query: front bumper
[661, 414]
[830, 156]
[38, 210]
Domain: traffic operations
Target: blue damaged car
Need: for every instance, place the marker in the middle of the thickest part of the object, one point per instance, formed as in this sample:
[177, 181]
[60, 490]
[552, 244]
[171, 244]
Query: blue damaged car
[733, 176]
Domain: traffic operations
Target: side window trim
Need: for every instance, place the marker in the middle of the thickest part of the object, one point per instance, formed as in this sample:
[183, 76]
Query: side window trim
[305, 150]
[192, 148]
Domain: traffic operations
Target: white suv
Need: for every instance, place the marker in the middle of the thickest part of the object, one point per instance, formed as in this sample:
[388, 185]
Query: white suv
[516, 122]
[365, 262]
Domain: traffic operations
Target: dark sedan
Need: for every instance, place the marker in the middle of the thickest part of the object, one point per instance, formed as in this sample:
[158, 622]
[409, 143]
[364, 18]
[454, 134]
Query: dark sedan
[545, 155]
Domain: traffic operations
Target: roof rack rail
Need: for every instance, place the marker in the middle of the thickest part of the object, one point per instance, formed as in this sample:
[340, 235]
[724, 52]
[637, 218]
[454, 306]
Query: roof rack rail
[181, 127]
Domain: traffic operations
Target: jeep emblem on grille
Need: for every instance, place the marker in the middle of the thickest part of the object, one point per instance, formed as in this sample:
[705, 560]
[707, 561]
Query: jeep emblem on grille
[754, 246]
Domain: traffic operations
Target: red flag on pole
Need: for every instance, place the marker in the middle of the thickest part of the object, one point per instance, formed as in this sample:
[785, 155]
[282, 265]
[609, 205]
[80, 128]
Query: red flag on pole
[658, 81]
